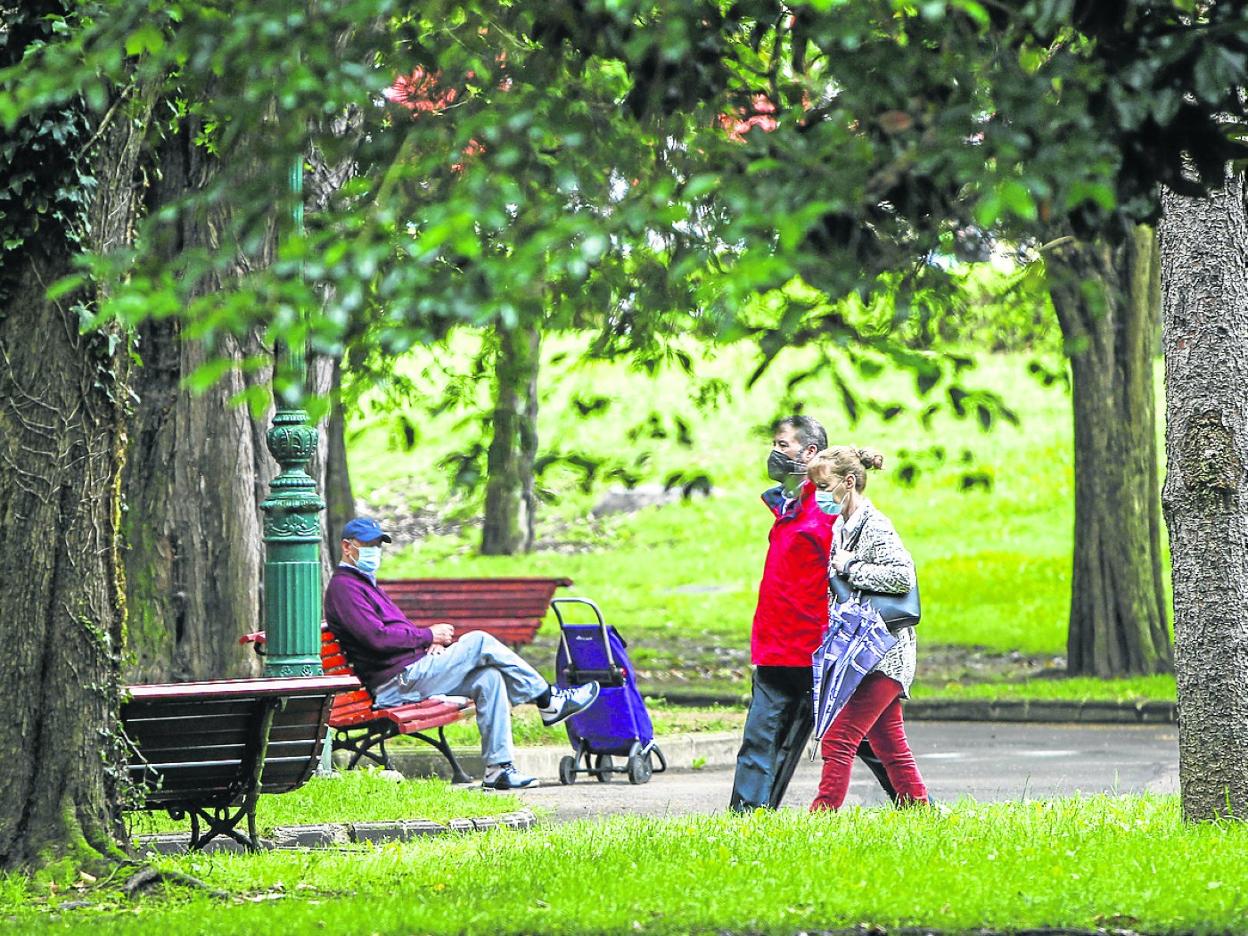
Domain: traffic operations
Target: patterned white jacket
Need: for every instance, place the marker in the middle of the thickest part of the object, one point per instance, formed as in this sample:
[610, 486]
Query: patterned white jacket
[881, 564]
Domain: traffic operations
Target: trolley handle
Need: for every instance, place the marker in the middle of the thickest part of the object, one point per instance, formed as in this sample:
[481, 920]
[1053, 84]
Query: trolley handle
[563, 637]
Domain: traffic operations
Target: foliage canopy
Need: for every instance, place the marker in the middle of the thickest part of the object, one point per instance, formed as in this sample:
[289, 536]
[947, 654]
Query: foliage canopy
[643, 168]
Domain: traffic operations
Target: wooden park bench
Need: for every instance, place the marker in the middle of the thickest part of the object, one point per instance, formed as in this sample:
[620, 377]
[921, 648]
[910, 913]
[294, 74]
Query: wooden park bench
[207, 750]
[510, 609]
[361, 727]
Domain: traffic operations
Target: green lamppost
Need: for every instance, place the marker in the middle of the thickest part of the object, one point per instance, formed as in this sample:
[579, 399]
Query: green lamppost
[292, 524]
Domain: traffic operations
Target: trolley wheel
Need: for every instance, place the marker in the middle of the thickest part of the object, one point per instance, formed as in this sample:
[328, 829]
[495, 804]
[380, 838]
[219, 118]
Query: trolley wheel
[604, 764]
[639, 768]
[567, 769]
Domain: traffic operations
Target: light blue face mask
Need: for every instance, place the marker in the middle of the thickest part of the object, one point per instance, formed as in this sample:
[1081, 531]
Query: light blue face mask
[369, 559]
[827, 503]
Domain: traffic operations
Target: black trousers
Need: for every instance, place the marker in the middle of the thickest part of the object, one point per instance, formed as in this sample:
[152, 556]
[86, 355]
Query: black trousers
[777, 728]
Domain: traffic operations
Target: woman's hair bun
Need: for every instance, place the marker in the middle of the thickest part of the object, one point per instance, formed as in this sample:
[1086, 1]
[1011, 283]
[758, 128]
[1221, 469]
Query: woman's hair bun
[870, 458]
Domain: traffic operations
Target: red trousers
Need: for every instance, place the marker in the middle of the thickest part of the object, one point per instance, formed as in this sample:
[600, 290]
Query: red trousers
[873, 712]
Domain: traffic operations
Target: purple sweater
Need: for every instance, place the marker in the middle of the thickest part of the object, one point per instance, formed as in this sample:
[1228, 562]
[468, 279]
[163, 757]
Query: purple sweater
[376, 636]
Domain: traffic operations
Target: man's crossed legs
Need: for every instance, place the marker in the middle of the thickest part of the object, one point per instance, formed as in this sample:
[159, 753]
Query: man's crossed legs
[495, 678]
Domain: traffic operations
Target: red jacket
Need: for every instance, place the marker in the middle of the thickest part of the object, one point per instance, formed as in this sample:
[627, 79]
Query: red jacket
[792, 611]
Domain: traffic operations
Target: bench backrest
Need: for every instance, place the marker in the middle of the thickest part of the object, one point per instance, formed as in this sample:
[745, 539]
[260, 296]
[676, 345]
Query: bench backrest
[350, 708]
[195, 742]
[511, 609]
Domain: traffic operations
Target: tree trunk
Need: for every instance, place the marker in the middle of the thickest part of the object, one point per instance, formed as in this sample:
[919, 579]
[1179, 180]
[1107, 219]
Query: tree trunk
[510, 498]
[1107, 299]
[339, 500]
[62, 610]
[1205, 338]
[324, 178]
[196, 473]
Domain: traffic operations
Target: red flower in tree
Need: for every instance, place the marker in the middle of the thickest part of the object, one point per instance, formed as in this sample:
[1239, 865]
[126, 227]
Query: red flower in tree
[472, 149]
[761, 115]
[419, 92]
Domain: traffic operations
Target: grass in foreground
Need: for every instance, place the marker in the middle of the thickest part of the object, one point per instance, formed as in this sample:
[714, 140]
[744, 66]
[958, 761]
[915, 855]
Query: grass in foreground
[1081, 863]
[353, 796]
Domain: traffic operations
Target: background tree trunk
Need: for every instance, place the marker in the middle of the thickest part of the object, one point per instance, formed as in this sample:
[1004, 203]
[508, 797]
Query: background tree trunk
[62, 440]
[196, 472]
[339, 499]
[324, 177]
[194, 476]
[510, 498]
[1205, 337]
[1107, 299]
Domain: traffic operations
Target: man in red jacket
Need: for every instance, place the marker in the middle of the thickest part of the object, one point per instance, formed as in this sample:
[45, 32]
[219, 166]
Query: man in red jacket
[789, 620]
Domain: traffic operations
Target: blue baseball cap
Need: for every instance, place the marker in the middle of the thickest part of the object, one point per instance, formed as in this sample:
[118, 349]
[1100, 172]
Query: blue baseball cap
[364, 529]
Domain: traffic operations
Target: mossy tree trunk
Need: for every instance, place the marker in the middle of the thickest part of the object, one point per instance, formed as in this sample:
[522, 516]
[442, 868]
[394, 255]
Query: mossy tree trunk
[1205, 338]
[62, 442]
[1107, 298]
[510, 496]
[197, 470]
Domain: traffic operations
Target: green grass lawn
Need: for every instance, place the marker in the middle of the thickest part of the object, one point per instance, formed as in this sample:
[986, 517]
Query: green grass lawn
[1077, 688]
[1121, 863]
[994, 565]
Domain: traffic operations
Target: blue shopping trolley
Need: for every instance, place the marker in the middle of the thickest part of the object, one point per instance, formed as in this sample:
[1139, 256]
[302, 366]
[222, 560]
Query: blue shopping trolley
[617, 725]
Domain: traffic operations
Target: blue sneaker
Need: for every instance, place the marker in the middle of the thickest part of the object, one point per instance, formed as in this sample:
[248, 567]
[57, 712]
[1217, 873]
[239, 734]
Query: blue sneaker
[506, 777]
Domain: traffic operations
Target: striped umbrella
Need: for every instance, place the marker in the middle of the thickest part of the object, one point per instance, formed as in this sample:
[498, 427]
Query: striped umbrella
[856, 641]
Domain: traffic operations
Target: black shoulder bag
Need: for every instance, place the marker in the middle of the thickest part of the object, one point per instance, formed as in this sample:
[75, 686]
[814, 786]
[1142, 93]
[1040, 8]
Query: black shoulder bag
[896, 610]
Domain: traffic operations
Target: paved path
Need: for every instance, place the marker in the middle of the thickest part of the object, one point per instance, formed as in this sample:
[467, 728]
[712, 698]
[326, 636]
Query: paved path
[988, 761]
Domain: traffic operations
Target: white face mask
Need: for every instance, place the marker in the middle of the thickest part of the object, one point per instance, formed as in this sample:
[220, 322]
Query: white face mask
[368, 559]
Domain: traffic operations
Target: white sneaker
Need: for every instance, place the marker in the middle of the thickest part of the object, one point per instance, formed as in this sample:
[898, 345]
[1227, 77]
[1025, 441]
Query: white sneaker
[565, 703]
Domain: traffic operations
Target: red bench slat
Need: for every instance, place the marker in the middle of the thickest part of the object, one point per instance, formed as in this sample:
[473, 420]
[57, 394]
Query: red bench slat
[510, 609]
[357, 709]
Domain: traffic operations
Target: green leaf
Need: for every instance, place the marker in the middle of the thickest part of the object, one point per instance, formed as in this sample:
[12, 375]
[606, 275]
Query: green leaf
[65, 285]
[988, 209]
[972, 9]
[207, 374]
[702, 184]
[147, 38]
[1096, 192]
[256, 397]
[1031, 58]
[1016, 198]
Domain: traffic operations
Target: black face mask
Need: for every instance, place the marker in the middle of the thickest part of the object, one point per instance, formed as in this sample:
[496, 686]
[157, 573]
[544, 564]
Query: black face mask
[781, 466]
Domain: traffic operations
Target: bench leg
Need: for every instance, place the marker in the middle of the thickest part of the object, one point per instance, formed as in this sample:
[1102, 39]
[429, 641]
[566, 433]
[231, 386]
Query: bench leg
[363, 746]
[372, 745]
[457, 772]
[222, 823]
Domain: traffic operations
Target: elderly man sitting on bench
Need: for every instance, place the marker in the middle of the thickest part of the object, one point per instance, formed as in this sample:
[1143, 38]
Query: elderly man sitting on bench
[402, 662]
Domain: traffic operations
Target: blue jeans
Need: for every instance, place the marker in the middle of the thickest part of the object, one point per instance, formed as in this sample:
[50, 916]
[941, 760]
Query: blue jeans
[480, 667]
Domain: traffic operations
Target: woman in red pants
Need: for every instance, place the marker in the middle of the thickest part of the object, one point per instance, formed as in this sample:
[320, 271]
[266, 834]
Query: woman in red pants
[880, 563]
